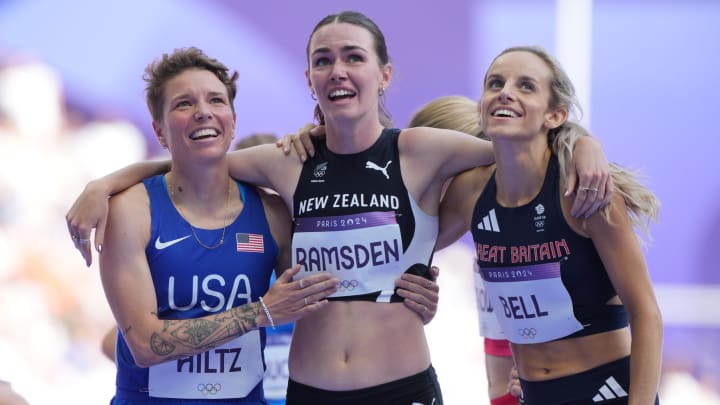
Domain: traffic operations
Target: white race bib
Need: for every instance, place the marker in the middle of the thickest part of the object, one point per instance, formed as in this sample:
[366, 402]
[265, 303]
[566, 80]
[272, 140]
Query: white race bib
[277, 350]
[228, 371]
[488, 322]
[364, 251]
[530, 302]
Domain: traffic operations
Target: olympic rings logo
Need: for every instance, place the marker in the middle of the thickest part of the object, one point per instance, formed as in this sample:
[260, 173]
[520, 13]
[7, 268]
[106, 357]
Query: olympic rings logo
[209, 388]
[528, 333]
[348, 285]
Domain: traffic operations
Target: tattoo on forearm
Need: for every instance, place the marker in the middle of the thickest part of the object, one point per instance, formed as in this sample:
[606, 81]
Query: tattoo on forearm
[160, 346]
[192, 332]
[202, 334]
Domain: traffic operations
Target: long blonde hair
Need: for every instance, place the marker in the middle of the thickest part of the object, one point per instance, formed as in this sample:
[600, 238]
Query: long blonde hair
[458, 113]
[642, 204]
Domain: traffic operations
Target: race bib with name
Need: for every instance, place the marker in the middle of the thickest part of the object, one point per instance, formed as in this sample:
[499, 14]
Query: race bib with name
[231, 370]
[530, 302]
[363, 251]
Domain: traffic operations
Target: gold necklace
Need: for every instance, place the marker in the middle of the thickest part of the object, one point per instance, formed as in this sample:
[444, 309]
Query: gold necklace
[192, 229]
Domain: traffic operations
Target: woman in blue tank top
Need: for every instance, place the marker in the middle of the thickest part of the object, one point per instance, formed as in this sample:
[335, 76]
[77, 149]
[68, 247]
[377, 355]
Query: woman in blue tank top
[189, 255]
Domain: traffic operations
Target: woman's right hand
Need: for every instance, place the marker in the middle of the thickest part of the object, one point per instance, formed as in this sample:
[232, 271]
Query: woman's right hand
[288, 300]
[89, 212]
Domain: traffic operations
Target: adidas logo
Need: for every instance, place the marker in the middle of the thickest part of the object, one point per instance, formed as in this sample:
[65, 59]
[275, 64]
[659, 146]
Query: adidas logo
[610, 390]
[489, 222]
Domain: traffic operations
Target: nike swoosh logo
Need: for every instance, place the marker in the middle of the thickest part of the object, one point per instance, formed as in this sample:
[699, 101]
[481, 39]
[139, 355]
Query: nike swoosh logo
[162, 245]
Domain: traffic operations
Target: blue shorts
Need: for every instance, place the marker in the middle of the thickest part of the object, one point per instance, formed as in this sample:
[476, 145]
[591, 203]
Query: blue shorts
[422, 388]
[603, 385]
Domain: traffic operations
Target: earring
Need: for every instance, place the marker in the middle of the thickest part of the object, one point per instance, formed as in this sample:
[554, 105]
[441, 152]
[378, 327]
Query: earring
[312, 95]
[381, 92]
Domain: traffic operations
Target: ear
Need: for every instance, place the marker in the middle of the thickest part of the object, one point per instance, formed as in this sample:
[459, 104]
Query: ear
[309, 82]
[386, 71]
[159, 135]
[555, 117]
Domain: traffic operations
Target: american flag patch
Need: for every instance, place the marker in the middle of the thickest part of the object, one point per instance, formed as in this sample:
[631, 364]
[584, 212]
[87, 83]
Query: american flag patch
[250, 242]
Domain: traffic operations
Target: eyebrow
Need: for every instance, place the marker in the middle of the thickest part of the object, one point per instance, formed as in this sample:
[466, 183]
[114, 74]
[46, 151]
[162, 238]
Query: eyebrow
[186, 95]
[497, 76]
[346, 48]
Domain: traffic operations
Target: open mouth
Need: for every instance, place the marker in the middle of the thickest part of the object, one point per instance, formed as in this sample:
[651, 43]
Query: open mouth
[505, 113]
[341, 94]
[204, 134]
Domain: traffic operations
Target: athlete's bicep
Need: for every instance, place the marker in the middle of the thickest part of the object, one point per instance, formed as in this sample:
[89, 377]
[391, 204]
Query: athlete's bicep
[124, 270]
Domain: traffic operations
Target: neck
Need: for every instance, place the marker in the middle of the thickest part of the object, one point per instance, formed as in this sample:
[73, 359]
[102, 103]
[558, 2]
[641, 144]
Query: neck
[521, 168]
[200, 190]
[352, 136]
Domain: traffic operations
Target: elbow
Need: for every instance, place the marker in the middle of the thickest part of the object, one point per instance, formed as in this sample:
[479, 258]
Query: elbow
[142, 354]
[650, 319]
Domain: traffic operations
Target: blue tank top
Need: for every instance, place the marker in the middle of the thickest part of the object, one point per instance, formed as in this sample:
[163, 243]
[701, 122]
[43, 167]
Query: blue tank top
[191, 281]
[354, 217]
[528, 244]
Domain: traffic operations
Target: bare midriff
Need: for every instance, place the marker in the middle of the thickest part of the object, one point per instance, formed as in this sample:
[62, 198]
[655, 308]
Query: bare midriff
[560, 358]
[350, 345]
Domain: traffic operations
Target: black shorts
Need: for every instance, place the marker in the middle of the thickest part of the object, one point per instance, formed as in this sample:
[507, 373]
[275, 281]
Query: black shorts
[603, 385]
[421, 388]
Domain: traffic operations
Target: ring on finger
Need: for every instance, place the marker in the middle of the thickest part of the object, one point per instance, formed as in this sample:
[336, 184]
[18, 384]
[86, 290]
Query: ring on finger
[306, 301]
[586, 189]
[301, 284]
[83, 241]
[429, 284]
[74, 237]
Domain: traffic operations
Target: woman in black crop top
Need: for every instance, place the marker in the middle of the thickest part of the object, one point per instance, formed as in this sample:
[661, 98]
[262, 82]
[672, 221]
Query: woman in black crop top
[538, 266]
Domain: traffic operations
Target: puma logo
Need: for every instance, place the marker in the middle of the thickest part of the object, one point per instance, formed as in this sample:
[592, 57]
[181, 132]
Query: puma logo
[374, 166]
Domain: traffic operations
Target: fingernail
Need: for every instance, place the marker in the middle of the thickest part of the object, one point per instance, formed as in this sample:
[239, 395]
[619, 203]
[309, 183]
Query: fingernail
[303, 157]
[567, 193]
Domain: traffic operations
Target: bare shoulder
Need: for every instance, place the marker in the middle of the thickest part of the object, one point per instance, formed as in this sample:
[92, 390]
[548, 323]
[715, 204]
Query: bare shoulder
[419, 136]
[134, 196]
[480, 175]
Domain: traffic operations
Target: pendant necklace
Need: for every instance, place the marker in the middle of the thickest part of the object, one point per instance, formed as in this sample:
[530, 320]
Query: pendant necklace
[192, 228]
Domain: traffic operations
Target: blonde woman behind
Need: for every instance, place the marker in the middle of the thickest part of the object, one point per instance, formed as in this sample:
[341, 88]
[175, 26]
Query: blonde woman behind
[460, 113]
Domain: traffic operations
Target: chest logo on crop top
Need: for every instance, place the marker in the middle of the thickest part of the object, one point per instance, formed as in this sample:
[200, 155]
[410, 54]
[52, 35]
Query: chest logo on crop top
[489, 222]
[374, 166]
[539, 219]
[320, 170]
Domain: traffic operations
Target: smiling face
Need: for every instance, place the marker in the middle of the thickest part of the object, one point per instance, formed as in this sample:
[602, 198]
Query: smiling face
[345, 72]
[197, 115]
[516, 97]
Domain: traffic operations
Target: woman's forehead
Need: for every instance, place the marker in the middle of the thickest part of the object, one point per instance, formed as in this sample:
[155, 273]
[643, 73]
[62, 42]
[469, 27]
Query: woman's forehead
[341, 35]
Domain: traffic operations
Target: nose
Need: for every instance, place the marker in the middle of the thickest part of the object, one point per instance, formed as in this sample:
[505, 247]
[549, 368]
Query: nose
[203, 112]
[338, 73]
[505, 96]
